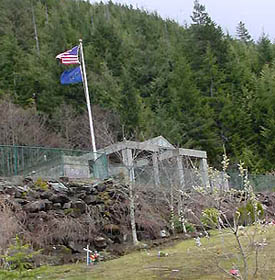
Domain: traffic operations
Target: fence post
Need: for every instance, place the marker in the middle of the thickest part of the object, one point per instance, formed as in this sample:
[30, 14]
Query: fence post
[15, 154]
[204, 172]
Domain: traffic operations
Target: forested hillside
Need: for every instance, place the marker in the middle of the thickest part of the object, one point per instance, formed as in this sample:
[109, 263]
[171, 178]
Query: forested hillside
[195, 85]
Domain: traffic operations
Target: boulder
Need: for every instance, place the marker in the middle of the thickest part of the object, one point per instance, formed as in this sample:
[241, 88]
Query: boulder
[48, 205]
[57, 206]
[79, 204]
[35, 206]
[89, 189]
[76, 247]
[28, 180]
[100, 242]
[112, 229]
[67, 205]
[90, 199]
[81, 195]
[59, 187]
[101, 187]
[21, 201]
[64, 179]
[164, 233]
[11, 190]
[45, 195]
[59, 198]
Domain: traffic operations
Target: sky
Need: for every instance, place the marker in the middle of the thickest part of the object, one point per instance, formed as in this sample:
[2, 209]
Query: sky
[258, 15]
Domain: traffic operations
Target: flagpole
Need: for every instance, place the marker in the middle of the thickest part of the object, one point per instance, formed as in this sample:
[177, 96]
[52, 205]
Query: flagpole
[83, 71]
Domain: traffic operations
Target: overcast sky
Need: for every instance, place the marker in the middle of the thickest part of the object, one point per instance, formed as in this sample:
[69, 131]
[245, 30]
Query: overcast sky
[258, 15]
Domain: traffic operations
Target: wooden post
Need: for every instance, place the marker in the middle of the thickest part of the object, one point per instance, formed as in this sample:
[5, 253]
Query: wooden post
[156, 169]
[180, 172]
[204, 172]
[128, 162]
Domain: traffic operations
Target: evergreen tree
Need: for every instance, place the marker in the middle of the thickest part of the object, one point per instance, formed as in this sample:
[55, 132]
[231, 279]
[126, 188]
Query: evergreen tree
[243, 34]
[264, 47]
[192, 84]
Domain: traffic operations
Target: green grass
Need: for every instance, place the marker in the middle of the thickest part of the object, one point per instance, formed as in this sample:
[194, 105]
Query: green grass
[184, 261]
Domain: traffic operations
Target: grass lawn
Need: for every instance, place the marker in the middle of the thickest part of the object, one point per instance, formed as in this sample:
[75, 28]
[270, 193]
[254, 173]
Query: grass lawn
[184, 261]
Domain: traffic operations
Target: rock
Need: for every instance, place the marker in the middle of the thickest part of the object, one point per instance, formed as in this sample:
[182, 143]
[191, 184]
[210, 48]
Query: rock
[27, 180]
[101, 187]
[48, 205]
[45, 195]
[21, 201]
[163, 233]
[95, 192]
[18, 194]
[109, 181]
[79, 204]
[101, 208]
[90, 199]
[59, 198]
[33, 194]
[11, 190]
[112, 229]
[81, 195]
[57, 206]
[67, 205]
[75, 184]
[35, 206]
[100, 242]
[64, 179]
[60, 254]
[88, 189]
[59, 187]
[76, 247]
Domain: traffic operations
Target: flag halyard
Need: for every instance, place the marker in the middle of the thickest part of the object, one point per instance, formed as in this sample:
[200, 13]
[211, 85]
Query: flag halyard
[70, 56]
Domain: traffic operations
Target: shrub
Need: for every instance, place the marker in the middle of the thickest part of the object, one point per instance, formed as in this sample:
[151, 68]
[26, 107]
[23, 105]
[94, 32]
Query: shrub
[9, 226]
[18, 261]
[210, 217]
[41, 184]
[179, 228]
[249, 212]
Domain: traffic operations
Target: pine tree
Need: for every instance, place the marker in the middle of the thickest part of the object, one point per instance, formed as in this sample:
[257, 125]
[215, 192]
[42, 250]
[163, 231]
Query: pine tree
[243, 34]
[264, 48]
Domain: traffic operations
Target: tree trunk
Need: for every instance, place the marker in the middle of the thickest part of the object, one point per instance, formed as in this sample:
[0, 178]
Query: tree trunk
[35, 30]
[132, 214]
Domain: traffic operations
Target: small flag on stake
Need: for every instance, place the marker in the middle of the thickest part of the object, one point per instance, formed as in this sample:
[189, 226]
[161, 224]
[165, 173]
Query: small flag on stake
[71, 76]
[69, 57]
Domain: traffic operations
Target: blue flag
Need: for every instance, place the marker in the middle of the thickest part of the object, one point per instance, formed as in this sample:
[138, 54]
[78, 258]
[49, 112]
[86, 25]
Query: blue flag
[71, 76]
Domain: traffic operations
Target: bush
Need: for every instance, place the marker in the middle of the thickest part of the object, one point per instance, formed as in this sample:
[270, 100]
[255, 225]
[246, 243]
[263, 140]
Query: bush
[248, 213]
[18, 261]
[210, 217]
[9, 225]
[179, 228]
[41, 184]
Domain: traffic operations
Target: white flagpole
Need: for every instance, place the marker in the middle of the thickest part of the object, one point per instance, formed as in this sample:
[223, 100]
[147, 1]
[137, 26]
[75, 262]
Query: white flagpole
[83, 70]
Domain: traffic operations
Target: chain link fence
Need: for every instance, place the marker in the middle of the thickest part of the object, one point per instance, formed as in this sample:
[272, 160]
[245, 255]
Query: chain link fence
[257, 181]
[51, 163]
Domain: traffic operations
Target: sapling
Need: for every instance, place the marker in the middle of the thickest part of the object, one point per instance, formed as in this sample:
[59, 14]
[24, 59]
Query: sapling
[18, 261]
[228, 221]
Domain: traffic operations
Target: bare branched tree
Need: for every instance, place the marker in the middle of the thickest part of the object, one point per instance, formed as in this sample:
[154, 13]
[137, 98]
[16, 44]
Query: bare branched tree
[9, 226]
[20, 126]
[74, 127]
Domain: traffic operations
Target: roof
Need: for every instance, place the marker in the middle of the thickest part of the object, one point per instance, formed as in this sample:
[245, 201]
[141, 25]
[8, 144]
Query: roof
[159, 141]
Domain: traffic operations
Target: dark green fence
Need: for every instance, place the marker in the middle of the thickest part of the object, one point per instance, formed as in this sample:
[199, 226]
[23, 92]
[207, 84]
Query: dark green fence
[52, 163]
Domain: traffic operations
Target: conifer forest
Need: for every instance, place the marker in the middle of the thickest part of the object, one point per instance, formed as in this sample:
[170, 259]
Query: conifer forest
[195, 85]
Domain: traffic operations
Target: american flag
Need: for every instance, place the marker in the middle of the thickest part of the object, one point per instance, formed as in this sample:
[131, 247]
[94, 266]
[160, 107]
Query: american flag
[70, 56]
